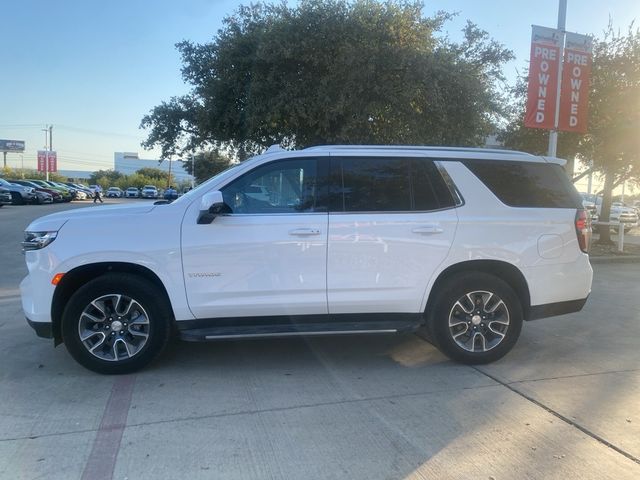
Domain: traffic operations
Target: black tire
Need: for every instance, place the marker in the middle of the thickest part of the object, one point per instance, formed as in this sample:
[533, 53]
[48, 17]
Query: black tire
[145, 293]
[16, 199]
[443, 308]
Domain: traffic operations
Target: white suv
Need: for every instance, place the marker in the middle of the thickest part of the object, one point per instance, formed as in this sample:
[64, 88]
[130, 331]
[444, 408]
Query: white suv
[462, 243]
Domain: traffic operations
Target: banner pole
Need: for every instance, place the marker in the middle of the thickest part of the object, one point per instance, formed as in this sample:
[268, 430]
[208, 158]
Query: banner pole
[562, 22]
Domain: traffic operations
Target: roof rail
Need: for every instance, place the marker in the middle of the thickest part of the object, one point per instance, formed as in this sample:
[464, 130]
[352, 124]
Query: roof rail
[421, 147]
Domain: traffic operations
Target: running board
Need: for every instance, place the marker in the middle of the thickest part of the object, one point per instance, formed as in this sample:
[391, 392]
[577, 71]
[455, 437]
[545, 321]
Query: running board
[294, 330]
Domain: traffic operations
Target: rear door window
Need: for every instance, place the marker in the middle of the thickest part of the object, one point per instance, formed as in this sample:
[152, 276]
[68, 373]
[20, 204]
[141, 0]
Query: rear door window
[378, 184]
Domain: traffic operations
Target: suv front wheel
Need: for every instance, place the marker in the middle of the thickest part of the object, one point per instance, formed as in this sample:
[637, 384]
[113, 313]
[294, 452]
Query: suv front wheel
[476, 318]
[116, 323]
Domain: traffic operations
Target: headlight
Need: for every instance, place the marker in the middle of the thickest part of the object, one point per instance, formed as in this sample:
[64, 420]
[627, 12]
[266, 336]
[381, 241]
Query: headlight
[37, 240]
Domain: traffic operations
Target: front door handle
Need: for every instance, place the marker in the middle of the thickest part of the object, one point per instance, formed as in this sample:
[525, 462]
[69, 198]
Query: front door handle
[428, 229]
[303, 232]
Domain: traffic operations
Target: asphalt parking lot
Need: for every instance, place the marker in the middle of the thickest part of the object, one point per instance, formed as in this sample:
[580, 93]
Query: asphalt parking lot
[565, 403]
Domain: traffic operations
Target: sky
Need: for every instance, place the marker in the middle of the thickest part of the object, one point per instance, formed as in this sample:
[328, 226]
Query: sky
[94, 69]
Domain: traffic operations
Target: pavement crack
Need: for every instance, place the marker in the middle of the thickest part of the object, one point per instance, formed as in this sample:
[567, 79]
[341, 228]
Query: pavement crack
[256, 412]
[578, 375]
[558, 415]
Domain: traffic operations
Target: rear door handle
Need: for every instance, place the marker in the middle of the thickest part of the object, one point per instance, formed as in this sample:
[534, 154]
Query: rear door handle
[428, 229]
[303, 232]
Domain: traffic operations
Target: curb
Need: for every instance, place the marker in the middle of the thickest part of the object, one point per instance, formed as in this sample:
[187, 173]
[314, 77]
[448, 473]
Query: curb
[615, 259]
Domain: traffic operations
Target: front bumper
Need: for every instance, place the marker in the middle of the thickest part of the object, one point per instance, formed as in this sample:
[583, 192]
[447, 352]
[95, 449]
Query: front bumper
[42, 329]
[36, 302]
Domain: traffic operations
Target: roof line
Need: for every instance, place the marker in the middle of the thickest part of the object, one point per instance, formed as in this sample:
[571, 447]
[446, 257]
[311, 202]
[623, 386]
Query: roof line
[421, 148]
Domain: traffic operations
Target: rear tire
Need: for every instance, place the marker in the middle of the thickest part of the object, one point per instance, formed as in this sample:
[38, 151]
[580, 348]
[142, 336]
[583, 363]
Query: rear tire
[117, 323]
[476, 318]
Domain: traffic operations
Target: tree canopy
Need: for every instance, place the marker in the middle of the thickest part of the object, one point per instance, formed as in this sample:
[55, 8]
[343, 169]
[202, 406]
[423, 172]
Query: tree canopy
[207, 164]
[332, 71]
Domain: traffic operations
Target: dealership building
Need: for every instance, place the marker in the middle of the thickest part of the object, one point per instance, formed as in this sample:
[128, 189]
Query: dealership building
[128, 163]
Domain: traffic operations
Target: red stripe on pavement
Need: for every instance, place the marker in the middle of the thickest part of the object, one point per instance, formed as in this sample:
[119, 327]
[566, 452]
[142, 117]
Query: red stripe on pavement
[106, 445]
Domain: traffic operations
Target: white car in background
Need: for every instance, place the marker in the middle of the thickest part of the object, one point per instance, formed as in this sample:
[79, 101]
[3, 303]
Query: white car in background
[149, 191]
[619, 212]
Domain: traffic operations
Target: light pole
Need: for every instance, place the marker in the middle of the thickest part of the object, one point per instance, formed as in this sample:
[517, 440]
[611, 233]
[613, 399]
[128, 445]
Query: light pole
[22, 165]
[46, 153]
[193, 170]
[553, 134]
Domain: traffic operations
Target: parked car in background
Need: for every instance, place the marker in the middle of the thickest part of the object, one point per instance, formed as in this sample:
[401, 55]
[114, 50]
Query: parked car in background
[132, 192]
[627, 216]
[114, 192]
[66, 194]
[72, 191]
[43, 197]
[170, 193]
[588, 202]
[56, 196]
[149, 191]
[619, 213]
[5, 197]
[80, 188]
[20, 194]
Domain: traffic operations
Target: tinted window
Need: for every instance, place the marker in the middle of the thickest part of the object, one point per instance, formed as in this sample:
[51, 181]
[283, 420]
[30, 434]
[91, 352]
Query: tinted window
[525, 184]
[286, 186]
[365, 184]
[430, 192]
[370, 184]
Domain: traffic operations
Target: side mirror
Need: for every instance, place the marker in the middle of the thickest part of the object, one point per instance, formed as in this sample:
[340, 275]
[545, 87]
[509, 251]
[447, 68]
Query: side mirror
[211, 205]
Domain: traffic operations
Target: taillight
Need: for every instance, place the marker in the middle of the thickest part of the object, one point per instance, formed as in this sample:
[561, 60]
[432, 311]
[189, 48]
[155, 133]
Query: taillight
[583, 229]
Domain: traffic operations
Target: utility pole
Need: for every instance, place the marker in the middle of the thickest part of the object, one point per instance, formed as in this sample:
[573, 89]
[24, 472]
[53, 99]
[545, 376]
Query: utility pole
[553, 134]
[46, 153]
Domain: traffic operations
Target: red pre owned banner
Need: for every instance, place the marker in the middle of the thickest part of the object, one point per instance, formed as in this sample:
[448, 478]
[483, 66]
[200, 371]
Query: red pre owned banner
[576, 73]
[42, 161]
[543, 78]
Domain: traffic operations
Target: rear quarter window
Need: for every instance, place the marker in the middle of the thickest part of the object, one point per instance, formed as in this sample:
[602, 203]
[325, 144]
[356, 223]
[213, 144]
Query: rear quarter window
[527, 184]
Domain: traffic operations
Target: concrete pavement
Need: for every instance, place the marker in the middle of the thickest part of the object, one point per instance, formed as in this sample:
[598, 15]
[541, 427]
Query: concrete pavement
[564, 404]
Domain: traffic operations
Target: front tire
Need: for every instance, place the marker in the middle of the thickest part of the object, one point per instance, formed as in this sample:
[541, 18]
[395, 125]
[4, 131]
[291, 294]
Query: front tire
[476, 318]
[116, 323]
[17, 199]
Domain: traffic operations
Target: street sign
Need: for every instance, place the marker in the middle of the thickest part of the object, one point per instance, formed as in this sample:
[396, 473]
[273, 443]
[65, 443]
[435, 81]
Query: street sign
[11, 145]
[576, 73]
[543, 77]
[42, 161]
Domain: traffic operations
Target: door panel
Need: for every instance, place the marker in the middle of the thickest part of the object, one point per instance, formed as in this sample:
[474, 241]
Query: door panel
[269, 255]
[246, 265]
[383, 262]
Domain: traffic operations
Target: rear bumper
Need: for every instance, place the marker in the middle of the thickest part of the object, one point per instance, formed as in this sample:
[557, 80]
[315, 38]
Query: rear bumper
[42, 329]
[554, 309]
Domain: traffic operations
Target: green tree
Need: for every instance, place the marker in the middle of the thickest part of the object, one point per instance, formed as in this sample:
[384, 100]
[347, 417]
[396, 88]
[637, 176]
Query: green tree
[612, 143]
[207, 164]
[153, 173]
[104, 177]
[332, 71]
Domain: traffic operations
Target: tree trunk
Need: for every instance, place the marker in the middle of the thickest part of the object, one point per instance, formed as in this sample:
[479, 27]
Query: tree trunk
[605, 210]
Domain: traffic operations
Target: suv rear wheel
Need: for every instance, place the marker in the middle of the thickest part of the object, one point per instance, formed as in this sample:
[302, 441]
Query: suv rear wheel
[476, 318]
[116, 324]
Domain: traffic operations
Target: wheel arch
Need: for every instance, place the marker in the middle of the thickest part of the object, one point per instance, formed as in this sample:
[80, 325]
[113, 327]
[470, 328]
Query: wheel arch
[500, 269]
[75, 278]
